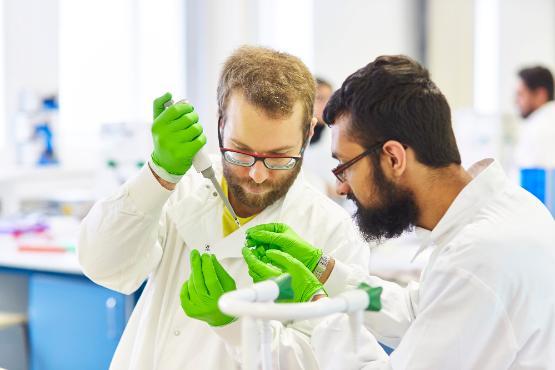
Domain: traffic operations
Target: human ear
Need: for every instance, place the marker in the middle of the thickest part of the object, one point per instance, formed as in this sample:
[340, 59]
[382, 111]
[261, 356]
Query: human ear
[395, 154]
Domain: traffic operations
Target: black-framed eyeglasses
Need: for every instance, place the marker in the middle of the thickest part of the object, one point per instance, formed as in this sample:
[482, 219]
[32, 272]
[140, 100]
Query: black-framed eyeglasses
[271, 161]
[339, 171]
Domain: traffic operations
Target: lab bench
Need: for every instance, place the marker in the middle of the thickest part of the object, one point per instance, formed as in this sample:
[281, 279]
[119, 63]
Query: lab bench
[72, 322]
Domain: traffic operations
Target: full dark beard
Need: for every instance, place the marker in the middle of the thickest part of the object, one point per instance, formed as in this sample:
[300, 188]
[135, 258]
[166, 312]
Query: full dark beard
[396, 213]
[259, 201]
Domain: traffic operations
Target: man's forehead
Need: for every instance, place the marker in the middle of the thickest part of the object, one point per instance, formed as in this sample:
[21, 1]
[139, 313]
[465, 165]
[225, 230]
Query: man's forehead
[271, 108]
[520, 84]
[342, 125]
[324, 90]
[344, 142]
[250, 129]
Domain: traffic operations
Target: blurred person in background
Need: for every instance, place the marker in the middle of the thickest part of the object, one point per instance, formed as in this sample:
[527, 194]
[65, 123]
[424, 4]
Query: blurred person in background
[323, 93]
[534, 99]
[317, 161]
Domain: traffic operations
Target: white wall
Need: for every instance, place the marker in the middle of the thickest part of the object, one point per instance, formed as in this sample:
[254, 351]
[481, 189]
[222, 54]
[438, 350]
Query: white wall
[450, 49]
[351, 33]
[510, 34]
[115, 58]
[288, 25]
[3, 115]
[30, 60]
[486, 56]
[527, 37]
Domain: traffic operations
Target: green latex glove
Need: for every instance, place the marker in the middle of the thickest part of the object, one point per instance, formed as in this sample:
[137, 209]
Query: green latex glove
[260, 253]
[176, 134]
[304, 283]
[259, 269]
[206, 284]
[282, 237]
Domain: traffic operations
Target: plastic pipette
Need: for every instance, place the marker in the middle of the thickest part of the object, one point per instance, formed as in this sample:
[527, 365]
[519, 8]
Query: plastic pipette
[201, 163]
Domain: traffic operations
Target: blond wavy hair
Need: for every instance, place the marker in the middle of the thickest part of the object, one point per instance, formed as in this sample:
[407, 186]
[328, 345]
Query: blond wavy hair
[269, 79]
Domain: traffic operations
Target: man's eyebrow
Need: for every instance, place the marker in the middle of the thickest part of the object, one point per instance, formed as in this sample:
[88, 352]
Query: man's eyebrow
[273, 151]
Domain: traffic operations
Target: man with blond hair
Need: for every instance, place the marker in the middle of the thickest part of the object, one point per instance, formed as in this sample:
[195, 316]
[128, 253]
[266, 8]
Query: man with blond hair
[168, 226]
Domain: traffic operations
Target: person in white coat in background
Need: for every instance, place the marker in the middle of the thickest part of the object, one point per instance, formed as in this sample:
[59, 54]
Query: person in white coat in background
[317, 163]
[534, 99]
[151, 228]
[486, 298]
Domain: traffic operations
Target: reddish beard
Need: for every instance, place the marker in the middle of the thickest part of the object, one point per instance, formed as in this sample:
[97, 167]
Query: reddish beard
[272, 190]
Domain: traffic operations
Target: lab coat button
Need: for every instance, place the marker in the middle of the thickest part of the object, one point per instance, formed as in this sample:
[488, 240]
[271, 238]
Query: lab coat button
[176, 333]
[215, 194]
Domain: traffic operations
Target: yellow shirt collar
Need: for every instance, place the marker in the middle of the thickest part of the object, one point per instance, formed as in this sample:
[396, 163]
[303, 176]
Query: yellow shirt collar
[228, 222]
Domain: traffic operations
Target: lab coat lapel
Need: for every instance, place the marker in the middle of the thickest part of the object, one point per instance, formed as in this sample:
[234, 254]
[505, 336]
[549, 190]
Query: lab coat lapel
[198, 217]
[201, 227]
[198, 220]
[231, 245]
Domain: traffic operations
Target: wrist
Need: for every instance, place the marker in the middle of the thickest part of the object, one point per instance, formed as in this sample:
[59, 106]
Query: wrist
[324, 268]
[317, 257]
[164, 174]
[225, 321]
[317, 297]
[164, 183]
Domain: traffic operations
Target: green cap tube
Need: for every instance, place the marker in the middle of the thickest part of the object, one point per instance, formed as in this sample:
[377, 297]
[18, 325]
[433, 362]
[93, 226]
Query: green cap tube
[285, 288]
[374, 296]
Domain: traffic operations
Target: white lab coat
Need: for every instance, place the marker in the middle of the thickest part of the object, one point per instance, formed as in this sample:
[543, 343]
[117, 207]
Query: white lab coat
[536, 144]
[146, 231]
[486, 299]
[318, 163]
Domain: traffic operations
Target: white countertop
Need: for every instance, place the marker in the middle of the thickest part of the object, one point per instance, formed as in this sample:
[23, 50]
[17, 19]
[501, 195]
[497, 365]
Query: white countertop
[64, 262]
[392, 260]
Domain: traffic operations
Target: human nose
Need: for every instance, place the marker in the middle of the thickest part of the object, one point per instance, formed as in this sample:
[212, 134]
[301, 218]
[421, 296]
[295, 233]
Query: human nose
[258, 172]
[342, 188]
